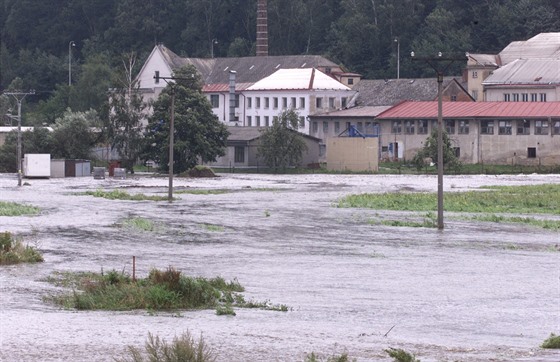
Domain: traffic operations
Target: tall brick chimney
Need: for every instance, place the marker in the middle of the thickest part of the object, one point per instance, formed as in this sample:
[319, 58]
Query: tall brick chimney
[262, 29]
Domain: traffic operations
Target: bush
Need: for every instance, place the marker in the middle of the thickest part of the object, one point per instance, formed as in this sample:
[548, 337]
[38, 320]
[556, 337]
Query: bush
[400, 355]
[551, 342]
[13, 251]
[182, 349]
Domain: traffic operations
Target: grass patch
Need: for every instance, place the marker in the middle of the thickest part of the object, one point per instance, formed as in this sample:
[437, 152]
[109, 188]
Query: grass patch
[183, 348]
[400, 355]
[161, 290]
[139, 223]
[13, 251]
[553, 341]
[313, 357]
[15, 209]
[123, 195]
[542, 223]
[213, 228]
[544, 199]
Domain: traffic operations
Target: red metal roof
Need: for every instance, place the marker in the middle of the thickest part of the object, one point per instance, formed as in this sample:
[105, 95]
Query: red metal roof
[417, 110]
[224, 87]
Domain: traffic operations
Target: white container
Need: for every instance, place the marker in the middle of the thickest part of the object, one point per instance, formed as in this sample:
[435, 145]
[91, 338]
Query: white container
[37, 165]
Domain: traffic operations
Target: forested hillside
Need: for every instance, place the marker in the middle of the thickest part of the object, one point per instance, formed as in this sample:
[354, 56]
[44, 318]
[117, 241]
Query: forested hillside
[359, 34]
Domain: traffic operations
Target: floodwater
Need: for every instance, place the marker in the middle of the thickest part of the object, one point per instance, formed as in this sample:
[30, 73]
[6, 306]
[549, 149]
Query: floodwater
[472, 292]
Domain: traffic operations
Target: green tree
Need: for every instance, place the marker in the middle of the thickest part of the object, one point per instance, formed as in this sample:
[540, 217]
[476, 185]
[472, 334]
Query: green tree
[73, 135]
[280, 145]
[430, 150]
[199, 135]
[37, 141]
[127, 109]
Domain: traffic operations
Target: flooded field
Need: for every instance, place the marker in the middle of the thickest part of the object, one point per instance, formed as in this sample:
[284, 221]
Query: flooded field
[476, 291]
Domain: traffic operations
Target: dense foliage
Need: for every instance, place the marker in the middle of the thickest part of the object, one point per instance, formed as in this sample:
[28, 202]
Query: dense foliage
[430, 151]
[199, 135]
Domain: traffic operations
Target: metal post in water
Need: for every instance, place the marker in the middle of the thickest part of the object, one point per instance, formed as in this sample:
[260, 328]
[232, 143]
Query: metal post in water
[133, 268]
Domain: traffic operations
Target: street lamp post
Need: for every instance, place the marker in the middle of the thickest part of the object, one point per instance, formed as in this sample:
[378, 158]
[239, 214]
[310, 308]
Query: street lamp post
[70, 45]
[398, 57]
[19, 96]
[214, 41]
[440, 70]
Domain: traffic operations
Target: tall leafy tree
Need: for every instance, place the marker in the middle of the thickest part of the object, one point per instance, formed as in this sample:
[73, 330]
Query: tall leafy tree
[199, 136]
[281, 145]
[430, 150]
[73, 135]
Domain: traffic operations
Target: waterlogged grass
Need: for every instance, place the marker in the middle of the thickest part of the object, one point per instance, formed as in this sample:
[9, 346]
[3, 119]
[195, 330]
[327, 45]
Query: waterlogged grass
[15, 209]
[213, 228]
[552, 342]
[400, 355]
[123, 195]
[139, 223]
[204, 192]
[541, 223]
[429, 221]
[13, 251]
[161, 290]
[314, 357]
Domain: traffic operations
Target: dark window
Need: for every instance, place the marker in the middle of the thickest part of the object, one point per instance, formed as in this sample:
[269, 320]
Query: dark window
[249, 102]
[504, 127]
[463, 127]
[350, 81]
[275, 102]
[258, 102]
[487, 127]
[506, 97]
[315, 127]
[423, 126]
[266, 121]
[157, 77]
[239, 154]
[543, 97]
[541, 127]
[249, 121]
[525, 97]
[236, 100]
[301, 121]
[534, 97]
[336, 127]
[293, 102]
[258, 121]
[516, 97]
[531, 152]
[215, 100]
[343, 102]
[266, 102]
[523, 127]
[325, 127]
[450, 126]
[284, 102]
[397, 127]
[556, 127]
[409, 127]
[453, 98]
[319, 102]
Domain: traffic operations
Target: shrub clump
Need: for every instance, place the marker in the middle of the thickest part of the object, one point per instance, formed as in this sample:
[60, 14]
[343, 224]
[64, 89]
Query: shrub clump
[551, 342]
[183, 348]
[15, 209]
[400, 355]
[13, 251]
[161, 290]
[201, 171]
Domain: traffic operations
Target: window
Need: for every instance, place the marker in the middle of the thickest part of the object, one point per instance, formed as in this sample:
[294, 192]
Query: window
[534, 97]
[397, 127]
[350, 81]
[450, 126]
[486, 127]
[266, 102]
[249, 121]
[506, 97]
[258, 121]
[215, 100]
[157, 77]
[531, 152]
[331, 102]
[423, 126]
[293, 106]
[453, 98]
[301, 102]
[275, 102]
[474, 94]
[315, 127]
[525, 97]
[541, 127]
[523, 127]
[266, 121]
[239, 154]
[301, 122]
[343, 102]
[463, 127]
[542, 97]
[556, 127]
[319, 102]
[360, 127]
[249, 102]
[284, 102]
[325, 127]
[475, 74]
[504, 127]
[236, 100]
[409, 127]
[257, 102]
[516, 97]
[336, 127]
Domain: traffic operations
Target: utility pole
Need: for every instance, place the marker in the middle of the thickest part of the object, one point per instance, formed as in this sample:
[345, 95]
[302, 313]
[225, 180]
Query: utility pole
[440, 65]
[398, 58]
[19, 96]
[70, 45]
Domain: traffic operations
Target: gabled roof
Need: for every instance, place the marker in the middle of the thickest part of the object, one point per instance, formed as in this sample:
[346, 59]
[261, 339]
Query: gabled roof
[298, 79]
[543, 45]
[420, 110]
[485, 60]
[527, 71]
[249, 69]
[379, 92]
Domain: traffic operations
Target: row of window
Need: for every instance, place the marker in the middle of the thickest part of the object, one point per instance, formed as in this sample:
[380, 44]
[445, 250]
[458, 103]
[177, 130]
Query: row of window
[524, 97]
[215, 100]
[265, 102]
[523, 127]
[368, 128]
[266, 121]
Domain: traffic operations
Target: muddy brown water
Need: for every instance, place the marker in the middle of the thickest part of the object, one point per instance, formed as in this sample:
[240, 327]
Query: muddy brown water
[472, 292]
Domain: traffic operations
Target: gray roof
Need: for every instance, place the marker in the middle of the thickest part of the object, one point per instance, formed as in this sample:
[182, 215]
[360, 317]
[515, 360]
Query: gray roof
[359, 111]
[543, 45]
[527, 71]
[244, 134]
[249, 69]
[379, 92]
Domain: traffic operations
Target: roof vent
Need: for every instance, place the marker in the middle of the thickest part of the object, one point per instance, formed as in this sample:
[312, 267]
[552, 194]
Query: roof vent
[537, 79]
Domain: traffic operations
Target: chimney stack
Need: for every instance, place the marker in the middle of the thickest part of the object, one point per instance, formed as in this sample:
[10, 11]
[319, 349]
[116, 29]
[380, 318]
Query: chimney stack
[262, 29]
